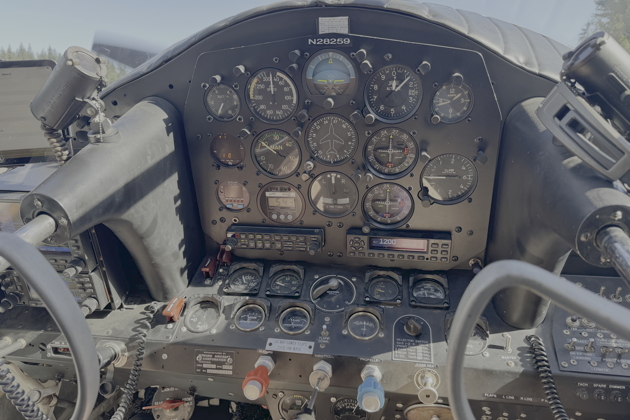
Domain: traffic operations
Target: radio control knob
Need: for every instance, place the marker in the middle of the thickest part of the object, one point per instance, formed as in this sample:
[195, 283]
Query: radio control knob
[313, 247]
[231, 243]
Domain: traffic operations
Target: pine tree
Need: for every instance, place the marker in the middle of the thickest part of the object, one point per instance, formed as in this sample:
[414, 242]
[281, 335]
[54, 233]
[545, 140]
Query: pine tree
[612, 16]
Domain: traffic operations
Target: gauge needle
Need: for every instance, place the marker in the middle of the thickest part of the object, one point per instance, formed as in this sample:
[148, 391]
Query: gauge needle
[267, 146]
[403, 83]
[456, 97]
[441, 176]
[220, 108]
[273, 92]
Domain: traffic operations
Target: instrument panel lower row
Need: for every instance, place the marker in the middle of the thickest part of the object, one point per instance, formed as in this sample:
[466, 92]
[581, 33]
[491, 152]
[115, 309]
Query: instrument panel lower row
[351, 137]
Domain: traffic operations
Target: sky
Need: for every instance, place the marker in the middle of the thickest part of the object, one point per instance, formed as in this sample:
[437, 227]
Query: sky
[65, 23]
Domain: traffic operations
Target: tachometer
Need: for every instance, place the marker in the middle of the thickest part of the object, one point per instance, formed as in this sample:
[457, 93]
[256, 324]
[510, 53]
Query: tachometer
[223, 102]
[391, 153]
[393, 93]
[330, 74]
[331, 139]
[276, 153]
[449, 178]
[333, 194]
[387, 205]
[271, 96]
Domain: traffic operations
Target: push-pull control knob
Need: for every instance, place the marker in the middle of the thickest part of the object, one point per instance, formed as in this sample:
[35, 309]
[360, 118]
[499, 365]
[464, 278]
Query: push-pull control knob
[257, 380]
[231, 243]
[313, 247]
[371, 395]
[427, 380]
[74, 267]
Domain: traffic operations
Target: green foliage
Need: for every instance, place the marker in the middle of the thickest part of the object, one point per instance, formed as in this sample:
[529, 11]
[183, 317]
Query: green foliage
[114, 71]
[612, 16]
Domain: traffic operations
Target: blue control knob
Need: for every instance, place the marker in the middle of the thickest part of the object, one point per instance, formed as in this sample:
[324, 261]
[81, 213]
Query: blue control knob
[371, 395]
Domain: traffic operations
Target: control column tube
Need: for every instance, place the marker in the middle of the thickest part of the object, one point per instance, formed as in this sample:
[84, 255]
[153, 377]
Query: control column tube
[257, 380]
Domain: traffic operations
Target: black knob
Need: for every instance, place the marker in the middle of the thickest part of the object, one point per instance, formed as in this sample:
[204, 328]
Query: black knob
[245, 132]
[294, 55]
[599, 395]
[616, 396]
[356, 116]
[366, 228]
[329, 103]
[426, 201]
[215, 80]
[239, 70]
[435, 119]
[412, 327]
[424, 68]
[366, 66]
[357, 175]
[296, 133]
[369, 118]
[302, 116]
[582, 394]
[292, 69]
[231, 243]
[360, 55]
[313, 247]
[457, 79]
[10, 301]
[481, 157]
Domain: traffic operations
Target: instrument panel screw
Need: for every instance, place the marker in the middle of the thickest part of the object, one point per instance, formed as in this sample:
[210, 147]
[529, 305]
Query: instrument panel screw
[276, 60]
[585, 237]
[214, 222]
[485, 354]
[469, 233]
[455, 258]
[165, 356]
[616, 215]
[564, 364]
[63, 221]
[204, 86]
[37, 203]
[198, 136]
[458, 229]
[344, 332]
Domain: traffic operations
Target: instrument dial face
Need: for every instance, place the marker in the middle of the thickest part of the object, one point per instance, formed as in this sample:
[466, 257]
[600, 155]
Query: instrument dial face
[333, 194]
[276, 153]
[449, 178]
[281, 202]
[223, 102]
[331, 139]
[233, 195]
[363, 326]
[452, 103]
[393, 93]
[348, 409]
[295, 320]
[202, 316]
[228, 150]
[391, 153]
[290, 405]
[428, 292]
[383, 289]
[388, 205]
[285, 283]
[271, 96]
[333, 293]
[331, 73]
[249, 317]
[244, 280]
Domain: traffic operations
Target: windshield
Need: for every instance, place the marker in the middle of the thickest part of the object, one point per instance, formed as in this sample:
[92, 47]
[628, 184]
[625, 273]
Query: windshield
[143, 28]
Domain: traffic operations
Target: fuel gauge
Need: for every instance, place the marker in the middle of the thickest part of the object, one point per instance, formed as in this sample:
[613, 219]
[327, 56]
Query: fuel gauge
[295, 320]
[363, 325]
[429, 291]
[249, 317]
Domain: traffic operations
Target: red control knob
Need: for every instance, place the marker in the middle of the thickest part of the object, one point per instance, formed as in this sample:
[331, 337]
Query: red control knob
[256, 383]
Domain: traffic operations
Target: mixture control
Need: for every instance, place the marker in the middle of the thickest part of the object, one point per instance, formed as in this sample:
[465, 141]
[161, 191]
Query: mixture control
[371, 395]
[427, 380]
[257, 380]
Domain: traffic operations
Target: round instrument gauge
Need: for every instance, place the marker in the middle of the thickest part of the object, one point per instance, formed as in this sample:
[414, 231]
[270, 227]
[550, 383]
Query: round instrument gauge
[477, 343]
[330, 73]
[333, 194]
[449, 178]
[387, 205]
[227, 149]
[391, 153]
[233, 195]
[290, 405]
[393, 93]
[281, 202]
[452, 103]
[244, 280]
[294, 320]
[249, 317]
[331, 139]
[428, 292]
[348, 409]
[285, 283]
[382, 289]
[271, 96]
[276, 153]
[333, 293]
[363, 325]
[222, 102]
[201, 317]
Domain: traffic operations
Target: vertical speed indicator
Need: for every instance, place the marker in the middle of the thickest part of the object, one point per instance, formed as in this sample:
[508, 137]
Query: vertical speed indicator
[271, 96]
